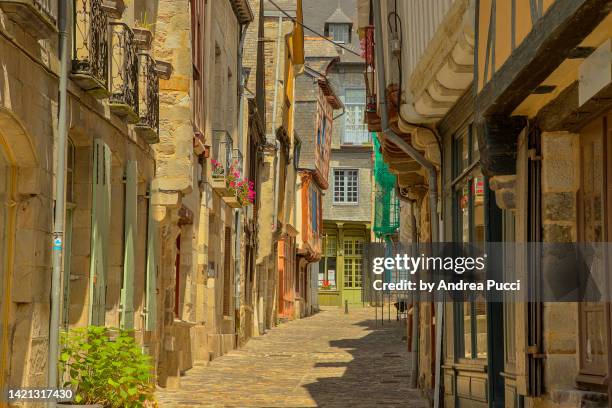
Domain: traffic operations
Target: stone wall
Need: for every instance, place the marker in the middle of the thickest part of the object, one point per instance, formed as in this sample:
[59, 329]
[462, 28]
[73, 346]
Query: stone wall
[355, 159]
[28, 123]
[560, 183]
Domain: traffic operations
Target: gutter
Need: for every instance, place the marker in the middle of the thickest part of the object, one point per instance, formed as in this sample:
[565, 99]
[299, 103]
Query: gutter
[427, 165]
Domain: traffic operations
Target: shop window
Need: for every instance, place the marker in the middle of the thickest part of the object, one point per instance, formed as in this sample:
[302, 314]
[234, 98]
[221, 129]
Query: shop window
[327, 266]
[353, 262]
[468, 196]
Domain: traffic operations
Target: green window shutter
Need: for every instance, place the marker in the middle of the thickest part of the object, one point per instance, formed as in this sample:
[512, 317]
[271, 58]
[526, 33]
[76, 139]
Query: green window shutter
[151, 285]
[129, 254]
[100, 227]
[67, 262]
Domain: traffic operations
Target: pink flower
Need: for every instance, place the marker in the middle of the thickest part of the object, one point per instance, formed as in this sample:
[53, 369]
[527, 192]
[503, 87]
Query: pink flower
[232, 184]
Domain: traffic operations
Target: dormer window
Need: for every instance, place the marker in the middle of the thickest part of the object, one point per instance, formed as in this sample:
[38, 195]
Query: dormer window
[339, 32]
[339, 26]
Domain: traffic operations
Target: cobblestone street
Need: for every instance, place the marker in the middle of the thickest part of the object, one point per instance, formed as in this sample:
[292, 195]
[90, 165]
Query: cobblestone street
[327, 360]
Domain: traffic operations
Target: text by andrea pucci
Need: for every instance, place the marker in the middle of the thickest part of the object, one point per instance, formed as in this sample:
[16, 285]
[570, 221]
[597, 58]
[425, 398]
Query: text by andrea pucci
[491, 271]
[407, 265]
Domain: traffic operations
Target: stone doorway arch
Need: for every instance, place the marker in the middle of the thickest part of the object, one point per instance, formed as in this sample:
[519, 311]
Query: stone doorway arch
[18, 165]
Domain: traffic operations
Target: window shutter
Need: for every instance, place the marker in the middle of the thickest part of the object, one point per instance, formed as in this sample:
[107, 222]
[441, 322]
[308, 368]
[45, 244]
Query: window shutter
[100, 226]
[528, 314]
[67, 264]
[129, 250]
[151, 285]
[227, 273]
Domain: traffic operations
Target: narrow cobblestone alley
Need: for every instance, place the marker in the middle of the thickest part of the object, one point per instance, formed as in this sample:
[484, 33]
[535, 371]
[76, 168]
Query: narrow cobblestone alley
[328, 360]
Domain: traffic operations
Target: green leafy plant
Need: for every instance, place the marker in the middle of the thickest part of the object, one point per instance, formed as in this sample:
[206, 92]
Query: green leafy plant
[106, 366]
[232, 179]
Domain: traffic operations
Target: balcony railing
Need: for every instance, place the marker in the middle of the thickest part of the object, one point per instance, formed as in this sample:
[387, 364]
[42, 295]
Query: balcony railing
[90, 47]
[222, 151]
[123, 81]
[148, 99]
[238, 160]
[39, 17]
[356, 135]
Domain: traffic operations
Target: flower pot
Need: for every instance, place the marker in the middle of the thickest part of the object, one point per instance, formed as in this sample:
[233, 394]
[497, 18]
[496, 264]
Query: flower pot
[142, 38]
[232, 201]
[164, 69]
[219, 186]
[114, 8]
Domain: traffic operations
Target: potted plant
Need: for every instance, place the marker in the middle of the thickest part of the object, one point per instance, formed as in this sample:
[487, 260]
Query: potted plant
[143, 33]
[218, 178]
[106, 368]
[233, 183]
[326, 285]
[217, 169]
[245, 192]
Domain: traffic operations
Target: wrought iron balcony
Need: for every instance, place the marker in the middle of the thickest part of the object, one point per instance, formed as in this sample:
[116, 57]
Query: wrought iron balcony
[39, 17]
[148, 99]
[222, 152]
[90, 47]
[238, 160]
[123, 80]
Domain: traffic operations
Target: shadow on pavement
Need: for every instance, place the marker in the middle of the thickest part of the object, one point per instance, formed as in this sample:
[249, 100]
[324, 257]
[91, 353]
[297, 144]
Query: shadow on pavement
[378, 373]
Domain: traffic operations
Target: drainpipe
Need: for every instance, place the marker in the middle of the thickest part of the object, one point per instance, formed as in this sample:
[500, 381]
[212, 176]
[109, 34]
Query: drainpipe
[60, 199]
[414, 347]
[238, 243]
[431, 172]
[273, 132]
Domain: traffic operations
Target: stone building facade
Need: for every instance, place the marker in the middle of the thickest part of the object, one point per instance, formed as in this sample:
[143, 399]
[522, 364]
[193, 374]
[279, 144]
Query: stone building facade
[201, 222]
[520, 120]
[284, 57]
[110, 168]
[315, 103]
[173, 107]
[347, 205]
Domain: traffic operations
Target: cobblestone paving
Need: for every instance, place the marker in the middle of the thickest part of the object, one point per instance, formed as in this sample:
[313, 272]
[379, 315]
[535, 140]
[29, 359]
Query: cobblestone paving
[327, 360]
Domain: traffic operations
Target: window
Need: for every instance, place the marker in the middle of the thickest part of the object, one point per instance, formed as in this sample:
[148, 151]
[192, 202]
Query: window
[355, 128]
[197, 56]
[323, 126]
[468, 192]
[353, 261]
[314, 210]
[592, 228]
[339, 32]
[327, 265]
[346, 186]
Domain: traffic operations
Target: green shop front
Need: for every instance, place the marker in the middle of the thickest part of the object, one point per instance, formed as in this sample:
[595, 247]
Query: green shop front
[340, 268]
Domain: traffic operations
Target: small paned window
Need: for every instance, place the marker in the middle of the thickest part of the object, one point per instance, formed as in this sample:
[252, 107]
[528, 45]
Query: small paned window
[346, 186]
